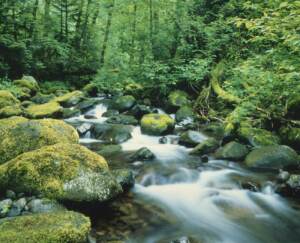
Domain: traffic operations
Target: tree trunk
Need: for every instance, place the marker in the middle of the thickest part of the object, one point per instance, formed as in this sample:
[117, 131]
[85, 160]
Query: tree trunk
[85, 24]
[107, 31]
[47, 17]
[132, 53]
[34, 15]
[66, 20]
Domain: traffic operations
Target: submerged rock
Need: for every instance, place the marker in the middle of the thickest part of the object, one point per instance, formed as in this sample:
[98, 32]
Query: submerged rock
[191, 138]
[112, 133]
[19, 135]
[157, 124]
[142, 154]
[48, 171]
[124, 103]
[206, 147]
[232, 151]
[274, 157]
[56, 227]
[122, 119]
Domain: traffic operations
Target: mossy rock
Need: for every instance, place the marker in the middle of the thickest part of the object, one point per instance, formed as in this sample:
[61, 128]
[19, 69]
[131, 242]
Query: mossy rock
[18, 135]
[157, 124]
[184, 113]
[40, 98]
[206, 147]
[112, 133]
[7, 99]
[9, 111]
[51, 170]
[191, 138]
[91, 89]
[177, 99]
[57, 227]
[28, 82]
[291, 136]
[86, 104]
[232, 151]
[273, 157]
[215, 130]
[70, 99]
[110, 150]
[49, 110]
[69, 112]
[134, 89]
[124, 103]
[122, 119]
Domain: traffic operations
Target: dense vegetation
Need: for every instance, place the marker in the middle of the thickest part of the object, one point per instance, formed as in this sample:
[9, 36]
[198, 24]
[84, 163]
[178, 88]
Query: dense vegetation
[162, 45]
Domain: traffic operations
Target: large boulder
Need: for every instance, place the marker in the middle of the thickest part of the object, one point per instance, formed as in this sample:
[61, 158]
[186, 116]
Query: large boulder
[232, 151]
[112, 133]
[28, 82]
[157, 124]
[19, 135]
[184, 113]
[274, 157]
[206, 147]
[191, 138]
[291, 136]
[7, 99]
[178, 99]
[63, 172]
[56, 227]
[257, 137]
[48, 110]
[70, 99]
[124, 103]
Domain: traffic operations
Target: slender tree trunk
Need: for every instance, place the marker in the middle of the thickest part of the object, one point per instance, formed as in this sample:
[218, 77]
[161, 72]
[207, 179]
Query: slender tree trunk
[86, 22]
[66, 20]
[151, 24]
[34, 15]
[107, 31]
[78, 24]
[132, 54]
[47, 17]
[96, 13]
[15, 30]
[61, 19]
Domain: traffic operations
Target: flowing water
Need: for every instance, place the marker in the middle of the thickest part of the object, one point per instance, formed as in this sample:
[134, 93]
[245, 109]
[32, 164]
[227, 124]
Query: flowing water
[193, 201]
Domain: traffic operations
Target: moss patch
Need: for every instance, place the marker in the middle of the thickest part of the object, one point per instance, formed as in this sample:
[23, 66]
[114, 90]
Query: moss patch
[70, 99]
[28, 83]
[59, 227]
[7, 99]
[48, 110]
[8, 111]
[157, 124]
[46, 170]
[18, 135]
[178, 98]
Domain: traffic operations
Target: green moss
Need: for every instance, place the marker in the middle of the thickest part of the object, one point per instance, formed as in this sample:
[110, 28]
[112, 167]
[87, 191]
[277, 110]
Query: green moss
[58, 227]
[46, 170]
[48, 110]
[257, 137]
[70, 99]
[206, 147]
[29, 83]
[9, 111]
[7, 99]
[157, 124]
[19, 135]
[178, 98]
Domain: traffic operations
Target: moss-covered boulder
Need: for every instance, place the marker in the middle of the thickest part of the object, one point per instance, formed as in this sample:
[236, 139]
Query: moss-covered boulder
[57, 227]
[86, 104]
[70, 112]
[62, 171]
[157, 124]
[184, 113]
[274, 157]
[7, 99]
[291, 136]
[70, 99]
[40, 98]
[191, 138]
[122, 119]
[134, 89]
[28, 82]
[178, 99]
[19, 135]
[206, 147]
[49, 110]
[124, 103]
[257, 137]
[138, 111]
[112, 133]
[91, 89]
[232, 151]
[110, 150]
[214, 129]
[9, 111]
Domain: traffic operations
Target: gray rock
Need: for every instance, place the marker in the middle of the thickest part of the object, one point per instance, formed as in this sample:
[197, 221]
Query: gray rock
[124, 177]
[110, 150]
[191, 138]
[43, 205]
[273, 157]
[110, 113]
[10, 194]
[122, 119]
[232, 151]
[142, 155]
[206, 147]
[5, 207]
[184, 113]
[112, 133]
[84, 128]
[124, 103]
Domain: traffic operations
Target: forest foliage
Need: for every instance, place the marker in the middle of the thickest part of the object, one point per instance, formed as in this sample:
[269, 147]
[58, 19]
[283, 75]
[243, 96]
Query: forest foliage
[162, 45]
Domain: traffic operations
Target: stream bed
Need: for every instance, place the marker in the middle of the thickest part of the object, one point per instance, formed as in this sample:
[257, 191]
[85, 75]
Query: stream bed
[178, 198]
